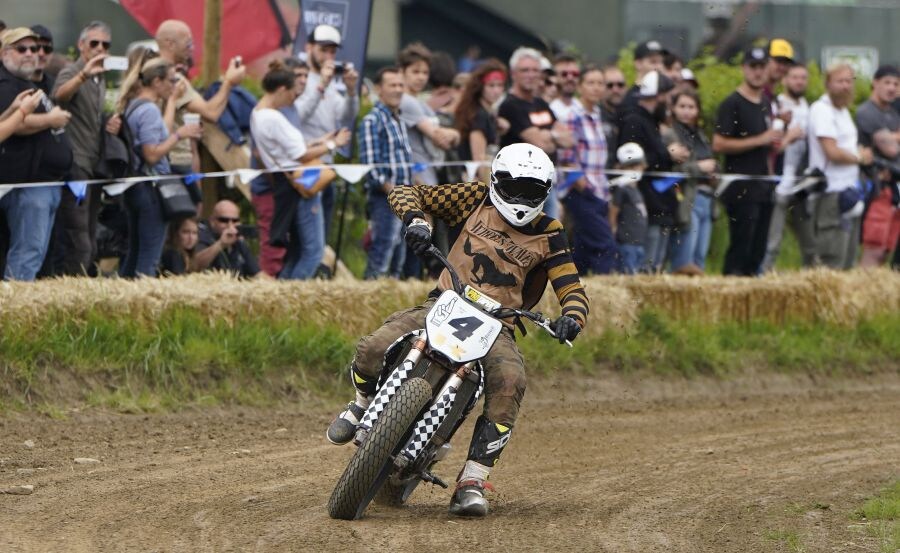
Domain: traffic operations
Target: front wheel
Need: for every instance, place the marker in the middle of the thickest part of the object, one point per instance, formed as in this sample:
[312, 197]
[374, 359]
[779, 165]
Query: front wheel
[371, 465]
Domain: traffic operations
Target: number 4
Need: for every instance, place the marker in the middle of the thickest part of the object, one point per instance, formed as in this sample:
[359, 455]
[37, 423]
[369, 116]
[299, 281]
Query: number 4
[465, 327]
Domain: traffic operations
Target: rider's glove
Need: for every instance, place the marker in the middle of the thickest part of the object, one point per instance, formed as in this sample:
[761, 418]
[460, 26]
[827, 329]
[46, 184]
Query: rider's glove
[565, 328]
[418, 236]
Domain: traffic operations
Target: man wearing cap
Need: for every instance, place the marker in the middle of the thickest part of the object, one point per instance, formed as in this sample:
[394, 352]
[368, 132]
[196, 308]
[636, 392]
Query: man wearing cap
[641, 126]
[611, 104]
[81, 89]
[330, 101]
[834, 149]
[744, 134]
[781, 58]
[39, 152]
[878, 111]
[176, 45]
[648, 56]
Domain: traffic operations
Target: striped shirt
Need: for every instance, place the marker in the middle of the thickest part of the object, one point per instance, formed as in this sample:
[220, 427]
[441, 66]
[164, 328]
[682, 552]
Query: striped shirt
[383, 140]
[589, 152]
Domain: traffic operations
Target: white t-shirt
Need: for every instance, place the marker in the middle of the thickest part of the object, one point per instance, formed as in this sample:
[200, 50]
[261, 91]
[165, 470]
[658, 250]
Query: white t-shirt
[826, 121]
[560, 110]
[280, 144]
[796, 151]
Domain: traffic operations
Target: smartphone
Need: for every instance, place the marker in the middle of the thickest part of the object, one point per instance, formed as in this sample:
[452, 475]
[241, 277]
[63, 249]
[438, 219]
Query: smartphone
[115, 63]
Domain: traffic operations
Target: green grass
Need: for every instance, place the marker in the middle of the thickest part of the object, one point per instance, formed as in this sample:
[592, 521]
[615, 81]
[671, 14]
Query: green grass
[182, 358]
[882, 513]
[789, 538]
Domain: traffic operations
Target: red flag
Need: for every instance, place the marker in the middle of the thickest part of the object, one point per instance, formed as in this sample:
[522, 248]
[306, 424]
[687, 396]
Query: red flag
[250, 28]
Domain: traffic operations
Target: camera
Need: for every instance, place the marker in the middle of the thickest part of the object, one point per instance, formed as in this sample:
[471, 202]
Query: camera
[339, 67]
[248, 231]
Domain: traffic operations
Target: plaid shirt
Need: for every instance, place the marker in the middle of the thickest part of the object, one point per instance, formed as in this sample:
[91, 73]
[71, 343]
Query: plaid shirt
[589, 152]
[383, 140]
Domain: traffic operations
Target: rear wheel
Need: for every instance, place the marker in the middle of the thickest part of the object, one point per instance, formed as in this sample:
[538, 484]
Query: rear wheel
[372, 463]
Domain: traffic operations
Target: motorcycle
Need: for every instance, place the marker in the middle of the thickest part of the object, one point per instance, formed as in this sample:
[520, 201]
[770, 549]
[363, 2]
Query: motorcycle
[431, 380]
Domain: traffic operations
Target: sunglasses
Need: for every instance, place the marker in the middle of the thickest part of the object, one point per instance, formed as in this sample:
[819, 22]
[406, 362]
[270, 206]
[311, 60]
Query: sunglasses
[94, 43]
[22, 49]
[47, 48]
[615, 84]
[228, 220]
[575, 74]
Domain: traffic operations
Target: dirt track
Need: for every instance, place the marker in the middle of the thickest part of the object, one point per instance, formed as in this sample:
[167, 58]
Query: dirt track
[599, 464]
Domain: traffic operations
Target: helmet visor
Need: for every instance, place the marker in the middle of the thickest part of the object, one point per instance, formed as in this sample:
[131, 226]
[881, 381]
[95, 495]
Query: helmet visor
[522, 191]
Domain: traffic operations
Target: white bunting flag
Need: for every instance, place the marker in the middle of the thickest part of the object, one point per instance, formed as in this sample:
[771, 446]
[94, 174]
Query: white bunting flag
[118, 188]
[352, 173]
[472, 169]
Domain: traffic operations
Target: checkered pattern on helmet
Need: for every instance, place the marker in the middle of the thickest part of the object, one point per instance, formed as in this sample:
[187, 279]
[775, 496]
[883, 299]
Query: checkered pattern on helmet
[450, 202]
[429, 423]
[385, 393]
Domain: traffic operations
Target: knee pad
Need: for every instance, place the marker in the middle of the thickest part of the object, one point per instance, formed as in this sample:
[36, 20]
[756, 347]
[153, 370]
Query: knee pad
[488, 441]
[364, 384]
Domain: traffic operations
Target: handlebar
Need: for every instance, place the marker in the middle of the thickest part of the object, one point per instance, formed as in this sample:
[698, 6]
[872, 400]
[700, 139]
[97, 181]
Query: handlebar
[501, 313]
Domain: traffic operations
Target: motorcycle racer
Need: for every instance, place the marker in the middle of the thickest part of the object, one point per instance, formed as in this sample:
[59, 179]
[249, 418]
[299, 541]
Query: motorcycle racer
[505, 247]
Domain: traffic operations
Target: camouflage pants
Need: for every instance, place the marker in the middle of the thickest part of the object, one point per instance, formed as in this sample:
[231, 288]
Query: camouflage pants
[504, 368]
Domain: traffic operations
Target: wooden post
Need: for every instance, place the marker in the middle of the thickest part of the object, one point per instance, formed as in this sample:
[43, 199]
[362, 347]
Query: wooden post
[212, 33]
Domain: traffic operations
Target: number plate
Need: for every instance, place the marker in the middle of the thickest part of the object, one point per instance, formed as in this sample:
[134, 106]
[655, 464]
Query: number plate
[459, 330]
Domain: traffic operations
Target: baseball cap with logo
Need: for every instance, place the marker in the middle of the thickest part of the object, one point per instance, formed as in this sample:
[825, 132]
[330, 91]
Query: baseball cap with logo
[325, 34]
[649, 48]
[12, 36]
[781, 49]
[655, 83]
[755, 56]
[630, 153]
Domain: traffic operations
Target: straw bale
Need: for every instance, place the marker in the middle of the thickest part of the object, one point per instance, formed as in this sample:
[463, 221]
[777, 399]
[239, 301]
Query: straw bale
[358, 307]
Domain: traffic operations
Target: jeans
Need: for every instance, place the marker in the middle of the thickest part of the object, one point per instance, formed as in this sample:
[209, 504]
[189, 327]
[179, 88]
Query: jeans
[329, 196]
[29, 214]
[632, 258]
[691, 245]
[304, 252]
[655, 247]
[387, 250]
[593, 246]
[146, 231]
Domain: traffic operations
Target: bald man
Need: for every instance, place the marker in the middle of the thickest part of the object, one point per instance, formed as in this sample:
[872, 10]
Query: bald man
[176, 44]
[220, 246]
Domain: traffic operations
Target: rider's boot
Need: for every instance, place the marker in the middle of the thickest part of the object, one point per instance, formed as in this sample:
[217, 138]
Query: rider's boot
[488, 441]
[343, 427]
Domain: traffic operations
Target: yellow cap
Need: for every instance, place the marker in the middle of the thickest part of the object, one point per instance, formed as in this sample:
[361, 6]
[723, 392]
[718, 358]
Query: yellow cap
[12, 36]
[780, 48]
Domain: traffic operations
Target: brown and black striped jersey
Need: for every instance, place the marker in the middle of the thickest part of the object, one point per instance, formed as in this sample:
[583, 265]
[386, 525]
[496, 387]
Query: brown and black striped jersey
[510, 264]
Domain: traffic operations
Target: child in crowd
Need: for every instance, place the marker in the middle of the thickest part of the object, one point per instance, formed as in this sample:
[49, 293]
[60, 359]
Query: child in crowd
[181, 243]
[627, 212]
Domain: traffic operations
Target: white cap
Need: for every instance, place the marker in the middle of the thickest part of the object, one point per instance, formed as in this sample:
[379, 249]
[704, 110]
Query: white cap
[546, 65]
[325, 34]
[688, 75]
[655, 83]
[630, 153]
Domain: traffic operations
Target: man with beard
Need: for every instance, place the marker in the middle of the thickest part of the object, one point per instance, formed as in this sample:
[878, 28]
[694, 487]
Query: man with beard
[834, 149]
[330, 101]
[781, 59]
[745, 135]
[568, 70]
[793, 102]
[39, 152]
[176, 45]
[641, 126]
[610, 105]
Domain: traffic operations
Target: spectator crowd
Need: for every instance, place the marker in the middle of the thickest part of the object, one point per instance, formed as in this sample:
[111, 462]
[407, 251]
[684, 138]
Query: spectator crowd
[640, 182]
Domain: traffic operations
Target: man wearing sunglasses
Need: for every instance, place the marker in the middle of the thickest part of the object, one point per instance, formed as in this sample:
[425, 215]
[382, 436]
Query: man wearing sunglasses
[81, 89]
[567, 72]
[611, 103]
[38, 152]
[219, 245]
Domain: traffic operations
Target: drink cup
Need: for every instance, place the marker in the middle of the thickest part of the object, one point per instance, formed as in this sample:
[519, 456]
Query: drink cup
[191, 118]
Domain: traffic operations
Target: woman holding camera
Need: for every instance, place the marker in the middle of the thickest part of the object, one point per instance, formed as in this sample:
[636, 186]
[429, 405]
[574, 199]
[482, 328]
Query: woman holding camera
[148, 83]
[298, 223]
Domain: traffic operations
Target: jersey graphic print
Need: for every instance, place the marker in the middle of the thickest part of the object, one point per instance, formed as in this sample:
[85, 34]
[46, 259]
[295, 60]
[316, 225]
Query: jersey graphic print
[483, 264]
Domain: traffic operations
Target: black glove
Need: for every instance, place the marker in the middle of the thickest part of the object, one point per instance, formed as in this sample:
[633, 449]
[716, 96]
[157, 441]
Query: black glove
[565, 328]
[418, 236]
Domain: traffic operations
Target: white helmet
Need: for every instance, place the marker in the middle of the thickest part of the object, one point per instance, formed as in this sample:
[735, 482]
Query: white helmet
[521, 177]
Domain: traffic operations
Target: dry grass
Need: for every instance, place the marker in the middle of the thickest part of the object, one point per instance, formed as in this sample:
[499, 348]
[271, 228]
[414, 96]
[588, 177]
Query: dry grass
[357, 307]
